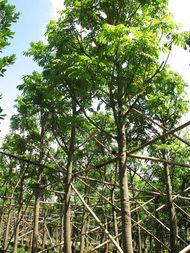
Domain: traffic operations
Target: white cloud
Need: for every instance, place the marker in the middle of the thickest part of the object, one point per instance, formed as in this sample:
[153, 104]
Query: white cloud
[56, 6]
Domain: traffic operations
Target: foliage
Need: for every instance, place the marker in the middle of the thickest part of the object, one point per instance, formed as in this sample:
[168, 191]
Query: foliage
[8, 15]
[77, 122]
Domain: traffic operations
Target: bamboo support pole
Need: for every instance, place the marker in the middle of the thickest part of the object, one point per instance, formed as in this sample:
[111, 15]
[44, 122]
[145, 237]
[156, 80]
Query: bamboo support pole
[162, 127]
[161, 223]
[97, 219]
[160, 160]
[172, 131]
[185, 250]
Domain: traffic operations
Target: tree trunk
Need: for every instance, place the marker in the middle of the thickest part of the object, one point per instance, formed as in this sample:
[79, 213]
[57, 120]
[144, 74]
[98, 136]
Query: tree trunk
[5, 243]
[2, 209]
[44, 237]
[83, 231]
[124, 191]
[106, 249]
[68, 179]
[139, 234]
[35, 238]
[138, 240]
[67, 211]
[62, 233]
[16, 232]
[19, 217]
[171, 208]
[114, 217]
[158, 228]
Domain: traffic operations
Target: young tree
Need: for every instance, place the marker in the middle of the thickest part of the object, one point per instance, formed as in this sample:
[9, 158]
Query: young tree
[167, 104]
[103, 50]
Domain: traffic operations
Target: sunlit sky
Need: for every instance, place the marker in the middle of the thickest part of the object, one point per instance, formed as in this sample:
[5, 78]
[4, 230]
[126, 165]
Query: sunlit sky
[31, 26]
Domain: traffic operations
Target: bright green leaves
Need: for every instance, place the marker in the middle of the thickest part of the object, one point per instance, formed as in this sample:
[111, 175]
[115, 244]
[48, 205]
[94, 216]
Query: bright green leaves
[109, 51]
[7, 17]
[1, 115]
[112, 32]
[15, 144]
[4, 62]
[166, 99]
[37, 50]
[34, 89]
[77, 66]
[7, 14]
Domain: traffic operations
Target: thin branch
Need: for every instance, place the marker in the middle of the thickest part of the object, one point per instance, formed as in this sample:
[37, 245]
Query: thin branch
[160, 137]
[97, 219]
[162, 127]
[155, 159]
[26, 160]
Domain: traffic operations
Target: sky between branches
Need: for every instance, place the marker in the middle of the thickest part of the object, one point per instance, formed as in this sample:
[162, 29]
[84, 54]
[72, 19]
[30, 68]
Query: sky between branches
[31, 26]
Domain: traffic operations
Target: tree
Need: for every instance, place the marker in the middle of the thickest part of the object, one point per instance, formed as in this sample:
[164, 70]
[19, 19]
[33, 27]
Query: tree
[171, 105]
[102, 51]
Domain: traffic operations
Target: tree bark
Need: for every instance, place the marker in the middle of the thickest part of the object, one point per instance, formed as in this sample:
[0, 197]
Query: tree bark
[84, 228]
[138, 240]
[68, 180]
[44, 237]
[35, 238]
[19, 216]
[114, 217]
[124, 190]
[16, 233]
[158, 246]
[62, 233]
[5, 243]
[67, 210]
[171, 208]
[1, 218]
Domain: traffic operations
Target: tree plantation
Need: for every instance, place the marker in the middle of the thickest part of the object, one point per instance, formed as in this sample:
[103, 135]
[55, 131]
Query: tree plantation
[97, 157]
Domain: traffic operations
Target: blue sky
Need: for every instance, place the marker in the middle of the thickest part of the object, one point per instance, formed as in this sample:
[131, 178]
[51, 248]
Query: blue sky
[31, 25]
[34, 17]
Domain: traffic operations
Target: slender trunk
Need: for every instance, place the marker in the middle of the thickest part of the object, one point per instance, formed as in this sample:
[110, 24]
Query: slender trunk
[44, 230]
[171, 208]
[16, 232]
[106, 249]
[158, 229]
[68, 179]
[124, 190]
[150, 244]
[62, 233]
[35, 238]
[5, 243]
[19, 217]
[114, 217]
[2, 209]
[138, 241]
[38, 187]
[83, 231]
[1, 226]
[67, 210]
[139, 234]
[23, 229]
